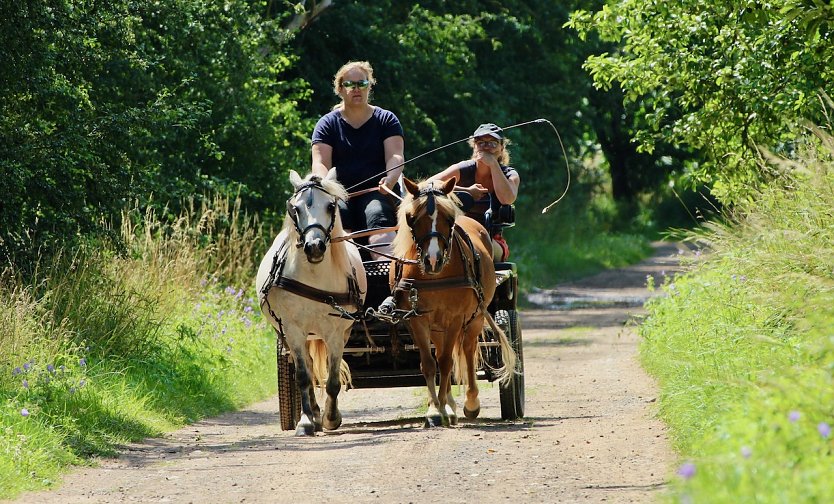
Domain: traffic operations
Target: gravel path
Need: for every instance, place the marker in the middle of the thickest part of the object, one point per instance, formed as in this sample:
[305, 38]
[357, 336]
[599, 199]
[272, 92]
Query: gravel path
[589, 434]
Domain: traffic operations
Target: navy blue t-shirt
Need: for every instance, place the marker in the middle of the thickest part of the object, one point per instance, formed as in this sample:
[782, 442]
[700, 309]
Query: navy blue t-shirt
[358, 154]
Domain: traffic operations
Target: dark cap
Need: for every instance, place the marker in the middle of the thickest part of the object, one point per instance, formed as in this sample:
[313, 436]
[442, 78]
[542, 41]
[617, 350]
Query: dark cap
[489, 129]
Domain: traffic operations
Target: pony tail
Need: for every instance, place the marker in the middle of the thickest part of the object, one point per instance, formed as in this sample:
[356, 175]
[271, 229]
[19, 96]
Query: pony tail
[318, 353]
[460, 369]
[508, 355]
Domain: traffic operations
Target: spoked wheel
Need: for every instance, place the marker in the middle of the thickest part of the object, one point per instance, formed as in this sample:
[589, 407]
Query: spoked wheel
[289, 397]
[512, 392]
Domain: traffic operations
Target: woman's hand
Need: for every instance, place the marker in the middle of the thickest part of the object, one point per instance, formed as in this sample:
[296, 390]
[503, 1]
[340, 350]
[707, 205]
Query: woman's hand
[486, 158]
[477, 191]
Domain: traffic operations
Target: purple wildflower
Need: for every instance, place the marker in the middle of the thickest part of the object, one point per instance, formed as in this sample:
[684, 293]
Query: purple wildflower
[27, 366]
[247, 309]
[24, 412]
[82, 383]
[687, 470]
[50, 368]
[82, 362]
[16, 371]
[824, 429]
[746, 451]
[26, 384]
[793, 416]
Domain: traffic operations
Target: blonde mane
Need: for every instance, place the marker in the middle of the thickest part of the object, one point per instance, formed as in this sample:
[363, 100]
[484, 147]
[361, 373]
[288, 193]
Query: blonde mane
[404, 241]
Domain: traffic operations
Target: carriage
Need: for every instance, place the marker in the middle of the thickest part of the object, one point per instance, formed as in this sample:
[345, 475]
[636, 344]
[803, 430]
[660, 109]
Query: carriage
[380, 351]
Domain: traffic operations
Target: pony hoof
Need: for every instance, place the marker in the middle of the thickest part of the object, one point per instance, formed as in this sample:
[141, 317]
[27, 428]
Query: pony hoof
[305, 430]
[471, 414]
[433, 421]
[333, 424]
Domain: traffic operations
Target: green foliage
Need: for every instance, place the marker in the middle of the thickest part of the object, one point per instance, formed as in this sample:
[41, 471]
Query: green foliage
[743, 352]
[103, 106]
[719, 77]
[97, 350]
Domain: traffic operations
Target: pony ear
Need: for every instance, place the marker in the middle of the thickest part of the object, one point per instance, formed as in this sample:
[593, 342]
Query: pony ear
[331, 174]
[449, 185]
[411, 187]
[295, 179]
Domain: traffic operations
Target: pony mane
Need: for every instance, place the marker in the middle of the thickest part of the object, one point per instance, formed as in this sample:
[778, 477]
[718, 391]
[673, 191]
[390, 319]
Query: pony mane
[337, 249]
[448, 205]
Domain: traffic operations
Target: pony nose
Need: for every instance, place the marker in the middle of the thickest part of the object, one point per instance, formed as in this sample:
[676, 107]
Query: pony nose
[314, 249]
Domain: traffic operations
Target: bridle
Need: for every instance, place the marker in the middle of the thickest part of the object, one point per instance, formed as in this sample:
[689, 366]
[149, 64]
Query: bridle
[313, 184]
[430, 192]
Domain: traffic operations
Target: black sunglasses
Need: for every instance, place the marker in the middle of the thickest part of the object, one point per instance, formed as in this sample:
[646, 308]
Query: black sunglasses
[487, 144]
[361, 84]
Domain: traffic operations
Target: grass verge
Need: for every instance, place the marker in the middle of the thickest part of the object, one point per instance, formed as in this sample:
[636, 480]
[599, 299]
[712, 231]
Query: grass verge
[743, 350]
[99, 350]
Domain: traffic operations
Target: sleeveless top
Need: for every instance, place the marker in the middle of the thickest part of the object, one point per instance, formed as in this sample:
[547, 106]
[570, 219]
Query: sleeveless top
[467, 178]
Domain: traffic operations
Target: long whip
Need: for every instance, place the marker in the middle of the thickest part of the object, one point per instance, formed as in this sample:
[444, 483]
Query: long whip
[534, 121]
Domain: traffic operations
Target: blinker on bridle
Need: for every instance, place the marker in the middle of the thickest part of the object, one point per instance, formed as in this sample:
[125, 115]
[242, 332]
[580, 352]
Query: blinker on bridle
[312, 184]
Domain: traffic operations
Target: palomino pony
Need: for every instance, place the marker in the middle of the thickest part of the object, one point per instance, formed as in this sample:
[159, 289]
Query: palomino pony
[452, 271]
[303, 281]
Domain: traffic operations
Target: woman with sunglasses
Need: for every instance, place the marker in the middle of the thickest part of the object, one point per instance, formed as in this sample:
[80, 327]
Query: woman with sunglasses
[362, 142]
[487, 178]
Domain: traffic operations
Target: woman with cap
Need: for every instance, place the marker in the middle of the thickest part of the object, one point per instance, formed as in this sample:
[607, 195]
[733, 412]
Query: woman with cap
[362, 142]
[487, 177]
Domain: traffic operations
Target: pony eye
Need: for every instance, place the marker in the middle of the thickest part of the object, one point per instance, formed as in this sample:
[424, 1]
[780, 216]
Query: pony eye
[331, 207]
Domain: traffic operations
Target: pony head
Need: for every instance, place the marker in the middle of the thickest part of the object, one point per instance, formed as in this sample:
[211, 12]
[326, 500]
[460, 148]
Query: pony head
[313, 211]
[427, 223]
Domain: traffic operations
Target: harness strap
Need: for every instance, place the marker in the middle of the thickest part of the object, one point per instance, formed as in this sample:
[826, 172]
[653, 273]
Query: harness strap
[296, 287]
[471, 278]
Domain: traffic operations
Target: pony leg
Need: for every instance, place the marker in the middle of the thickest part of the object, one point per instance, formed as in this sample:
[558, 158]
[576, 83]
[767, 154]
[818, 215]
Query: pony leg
[451, 407]
[445, 361]
[420, 335]
[472, 405]
[306, 424]
[332, 417]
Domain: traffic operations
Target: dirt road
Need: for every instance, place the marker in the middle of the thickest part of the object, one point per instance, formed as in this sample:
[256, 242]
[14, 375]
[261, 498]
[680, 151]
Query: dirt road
[589, 434]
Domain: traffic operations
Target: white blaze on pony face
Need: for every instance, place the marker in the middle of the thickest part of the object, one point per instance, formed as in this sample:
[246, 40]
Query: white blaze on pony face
[434, 254]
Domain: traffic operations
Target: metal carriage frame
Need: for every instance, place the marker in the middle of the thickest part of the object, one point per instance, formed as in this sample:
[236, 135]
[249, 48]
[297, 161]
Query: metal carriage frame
[381, 354]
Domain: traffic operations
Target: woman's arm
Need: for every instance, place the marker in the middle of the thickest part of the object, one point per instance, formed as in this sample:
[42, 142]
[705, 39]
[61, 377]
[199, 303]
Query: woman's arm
[506, 189]
[322, 159]
[394, 148]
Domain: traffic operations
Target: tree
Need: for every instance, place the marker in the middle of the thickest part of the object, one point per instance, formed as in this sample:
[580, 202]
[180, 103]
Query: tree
[722, 78]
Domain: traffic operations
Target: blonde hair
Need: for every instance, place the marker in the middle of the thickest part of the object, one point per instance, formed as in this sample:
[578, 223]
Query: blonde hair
[347, 67]
[503, 158]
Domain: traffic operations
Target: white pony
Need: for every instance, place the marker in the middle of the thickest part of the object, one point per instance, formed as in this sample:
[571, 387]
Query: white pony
[304, 281]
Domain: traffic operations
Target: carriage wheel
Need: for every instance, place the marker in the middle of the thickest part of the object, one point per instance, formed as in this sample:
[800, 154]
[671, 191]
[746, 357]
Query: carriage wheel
[512, 393]
[289, 397]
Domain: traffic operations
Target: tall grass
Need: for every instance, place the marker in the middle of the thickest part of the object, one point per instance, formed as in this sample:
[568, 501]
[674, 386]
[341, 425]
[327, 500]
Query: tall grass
[98, 348]
[743, 348]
